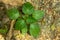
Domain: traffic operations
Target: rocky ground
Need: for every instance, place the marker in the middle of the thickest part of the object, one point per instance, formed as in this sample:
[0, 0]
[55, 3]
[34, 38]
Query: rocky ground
[50, 24]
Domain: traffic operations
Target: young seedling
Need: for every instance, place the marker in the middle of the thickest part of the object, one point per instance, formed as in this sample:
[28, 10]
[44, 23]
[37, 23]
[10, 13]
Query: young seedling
[28, 21]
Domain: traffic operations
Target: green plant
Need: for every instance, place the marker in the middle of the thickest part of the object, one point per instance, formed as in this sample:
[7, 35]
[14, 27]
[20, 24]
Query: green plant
[3, 30]
[28, 21]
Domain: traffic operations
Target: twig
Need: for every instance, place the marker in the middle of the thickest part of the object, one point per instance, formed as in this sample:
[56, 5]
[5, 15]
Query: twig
[9, 34]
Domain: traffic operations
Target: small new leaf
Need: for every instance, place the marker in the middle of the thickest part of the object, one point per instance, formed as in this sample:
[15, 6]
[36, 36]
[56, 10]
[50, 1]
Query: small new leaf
[30, 20]
[24, 30]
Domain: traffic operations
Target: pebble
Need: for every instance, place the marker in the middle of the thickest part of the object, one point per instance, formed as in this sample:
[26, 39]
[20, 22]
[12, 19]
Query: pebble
[1, 37]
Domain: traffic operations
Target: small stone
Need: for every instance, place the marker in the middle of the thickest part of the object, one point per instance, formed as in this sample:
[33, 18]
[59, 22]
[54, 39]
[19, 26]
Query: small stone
[1, 37]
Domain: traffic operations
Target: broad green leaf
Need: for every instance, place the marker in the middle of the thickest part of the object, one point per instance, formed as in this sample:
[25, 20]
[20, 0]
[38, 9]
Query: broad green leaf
[34, 30]
[13, 13]
[38, 14]
[30, 20]
[27, 8]
[20, 24]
